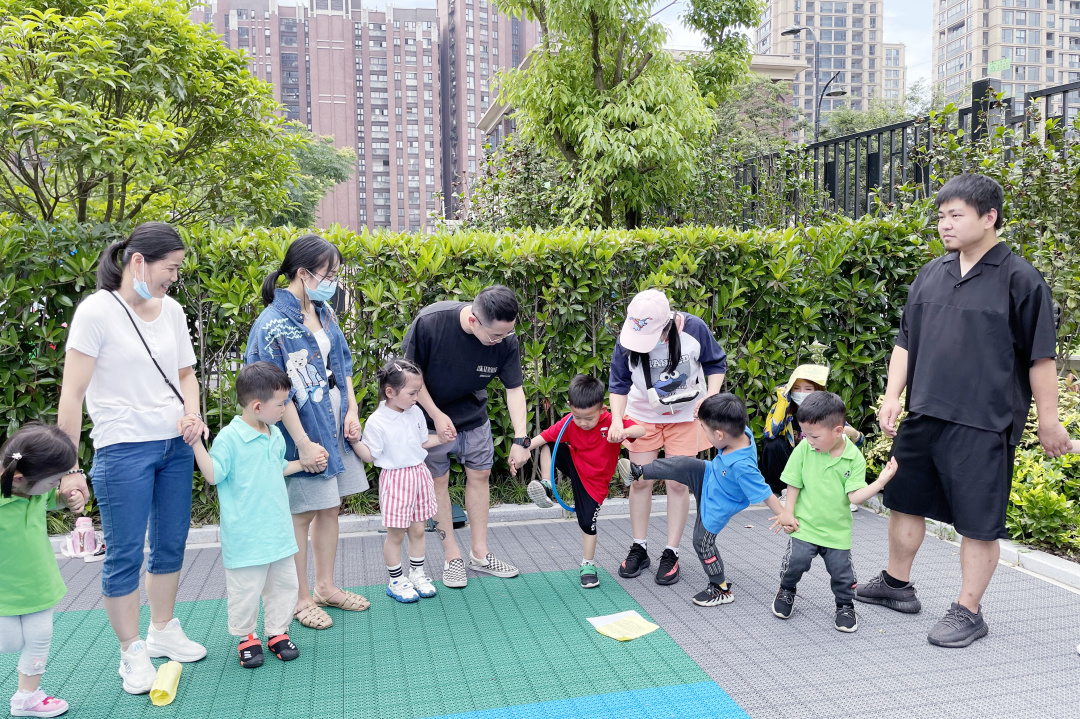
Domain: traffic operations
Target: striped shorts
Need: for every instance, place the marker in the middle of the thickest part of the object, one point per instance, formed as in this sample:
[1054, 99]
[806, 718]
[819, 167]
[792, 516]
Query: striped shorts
[406, 495]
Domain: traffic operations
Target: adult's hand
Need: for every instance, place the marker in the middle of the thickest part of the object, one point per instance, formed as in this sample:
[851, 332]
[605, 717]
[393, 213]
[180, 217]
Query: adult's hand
[192, 428]
[313, 457]
[890, 410]
[73, 491]
[1054, 438]
[352, 425]
[518, 457]
[444, 427]
[616, 433]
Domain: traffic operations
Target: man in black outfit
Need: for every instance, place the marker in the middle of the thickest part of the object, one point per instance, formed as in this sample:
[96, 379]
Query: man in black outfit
[977, 340]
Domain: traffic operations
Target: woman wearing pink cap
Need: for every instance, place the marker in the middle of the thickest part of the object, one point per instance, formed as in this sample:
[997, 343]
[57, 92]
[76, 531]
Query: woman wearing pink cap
[683, 364]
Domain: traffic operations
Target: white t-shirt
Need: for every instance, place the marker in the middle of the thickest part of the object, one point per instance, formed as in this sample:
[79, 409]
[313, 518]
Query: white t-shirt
[395, 438]
[127, 398]
[323, 340]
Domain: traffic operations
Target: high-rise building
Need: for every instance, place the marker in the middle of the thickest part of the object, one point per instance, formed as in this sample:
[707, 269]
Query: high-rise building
[1038, 40]
[851, 48]
[477, 42]
[371, 78]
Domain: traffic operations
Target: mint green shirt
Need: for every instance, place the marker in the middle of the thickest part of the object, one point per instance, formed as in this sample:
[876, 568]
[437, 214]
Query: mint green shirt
[256, 525]
[822, 507]
[29, 576]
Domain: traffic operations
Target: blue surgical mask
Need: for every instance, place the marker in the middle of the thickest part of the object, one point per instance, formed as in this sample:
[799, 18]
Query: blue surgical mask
[322, 292]
[140, 286]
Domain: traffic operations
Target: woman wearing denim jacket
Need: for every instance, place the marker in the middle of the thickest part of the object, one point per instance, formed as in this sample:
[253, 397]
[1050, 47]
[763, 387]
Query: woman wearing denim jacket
[299, 333]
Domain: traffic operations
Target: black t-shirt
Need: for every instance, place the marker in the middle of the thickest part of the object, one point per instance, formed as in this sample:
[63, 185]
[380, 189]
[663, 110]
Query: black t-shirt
[971, 340]
[457, 366]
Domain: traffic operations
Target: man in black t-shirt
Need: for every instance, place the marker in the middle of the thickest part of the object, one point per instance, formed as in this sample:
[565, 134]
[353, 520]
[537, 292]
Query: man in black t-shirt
[461, 346]
[977, 339]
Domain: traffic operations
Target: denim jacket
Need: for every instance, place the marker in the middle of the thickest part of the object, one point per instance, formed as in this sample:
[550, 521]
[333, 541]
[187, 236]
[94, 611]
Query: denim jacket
[280, 337]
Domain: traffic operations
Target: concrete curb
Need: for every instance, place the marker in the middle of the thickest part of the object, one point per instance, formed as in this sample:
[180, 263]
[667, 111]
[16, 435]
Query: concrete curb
[349, 524]
[1035, 561]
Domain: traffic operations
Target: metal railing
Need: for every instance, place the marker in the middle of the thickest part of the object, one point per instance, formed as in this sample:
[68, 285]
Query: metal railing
[845, 172]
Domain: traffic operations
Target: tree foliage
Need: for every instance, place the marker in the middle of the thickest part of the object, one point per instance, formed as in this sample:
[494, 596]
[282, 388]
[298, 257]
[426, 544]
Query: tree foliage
[600, 93]
[320, 167]
[756, 116]
[722, 24]
[112, 111]
[918, 101]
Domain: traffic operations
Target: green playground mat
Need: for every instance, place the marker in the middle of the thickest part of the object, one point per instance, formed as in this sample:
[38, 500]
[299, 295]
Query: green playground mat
[496, 643]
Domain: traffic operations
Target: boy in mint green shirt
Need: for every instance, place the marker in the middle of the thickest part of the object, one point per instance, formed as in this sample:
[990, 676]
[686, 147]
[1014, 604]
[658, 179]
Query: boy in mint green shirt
[247, 464]
[825, 474]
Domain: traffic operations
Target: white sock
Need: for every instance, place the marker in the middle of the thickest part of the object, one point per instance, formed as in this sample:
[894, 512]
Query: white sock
[19, 699]
[586, 561]
[674, 549]
[644, 544]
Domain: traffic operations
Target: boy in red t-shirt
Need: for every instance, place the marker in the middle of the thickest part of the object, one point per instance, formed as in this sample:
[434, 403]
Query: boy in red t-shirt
[587, 454]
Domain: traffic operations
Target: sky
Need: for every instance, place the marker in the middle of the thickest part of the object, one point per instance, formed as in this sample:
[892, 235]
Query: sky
[906, 23]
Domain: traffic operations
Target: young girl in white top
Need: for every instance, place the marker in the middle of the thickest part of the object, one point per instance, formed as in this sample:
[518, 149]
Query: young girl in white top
[396, 440]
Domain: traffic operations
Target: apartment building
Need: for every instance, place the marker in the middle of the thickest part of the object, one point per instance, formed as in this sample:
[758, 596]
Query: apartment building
[478, 42]
[1027, 44]
[851, 47]
[370, 78]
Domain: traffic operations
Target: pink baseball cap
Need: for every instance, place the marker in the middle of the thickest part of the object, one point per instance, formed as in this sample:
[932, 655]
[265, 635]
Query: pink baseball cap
[646, 318]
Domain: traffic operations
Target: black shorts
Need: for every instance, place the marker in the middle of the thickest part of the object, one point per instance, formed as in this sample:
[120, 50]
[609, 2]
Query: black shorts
[953, 473]
[586, 508]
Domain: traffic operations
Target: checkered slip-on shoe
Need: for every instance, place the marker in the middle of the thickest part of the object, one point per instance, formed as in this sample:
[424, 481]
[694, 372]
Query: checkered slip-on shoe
[490, 565]
[453, 574]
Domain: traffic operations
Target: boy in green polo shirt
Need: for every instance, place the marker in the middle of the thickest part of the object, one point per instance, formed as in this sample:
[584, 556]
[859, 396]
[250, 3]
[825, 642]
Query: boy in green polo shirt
[826, 472]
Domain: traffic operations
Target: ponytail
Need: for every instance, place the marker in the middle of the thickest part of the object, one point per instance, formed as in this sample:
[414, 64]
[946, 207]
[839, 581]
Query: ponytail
[269, 286]
[37, 451]
[309, 252]
[152, 240]
[671, 335]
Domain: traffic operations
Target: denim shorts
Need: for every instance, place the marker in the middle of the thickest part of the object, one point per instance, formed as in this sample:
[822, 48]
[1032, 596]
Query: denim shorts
[474, 448]
[136, 484]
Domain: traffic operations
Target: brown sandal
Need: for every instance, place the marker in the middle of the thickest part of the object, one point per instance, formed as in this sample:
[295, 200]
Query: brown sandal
[313, 618]
[349, 601]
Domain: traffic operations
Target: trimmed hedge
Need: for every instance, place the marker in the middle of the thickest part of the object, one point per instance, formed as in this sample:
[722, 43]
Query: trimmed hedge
[769, 296]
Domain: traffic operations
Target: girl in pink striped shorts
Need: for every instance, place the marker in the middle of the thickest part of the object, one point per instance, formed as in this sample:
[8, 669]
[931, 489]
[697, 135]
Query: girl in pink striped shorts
[396, 439]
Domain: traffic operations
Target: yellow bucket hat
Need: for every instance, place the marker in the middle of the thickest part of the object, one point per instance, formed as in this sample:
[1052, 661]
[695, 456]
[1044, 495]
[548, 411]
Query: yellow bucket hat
[816, 373]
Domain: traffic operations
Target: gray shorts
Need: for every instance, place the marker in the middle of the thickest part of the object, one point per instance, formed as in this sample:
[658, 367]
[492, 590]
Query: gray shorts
[474, 448]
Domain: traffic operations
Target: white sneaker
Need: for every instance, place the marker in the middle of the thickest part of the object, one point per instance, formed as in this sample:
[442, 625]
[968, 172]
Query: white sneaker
[401, 590]
[136, 669]
[854, 507]
[421, 583]
[783, 497]
[171, 642]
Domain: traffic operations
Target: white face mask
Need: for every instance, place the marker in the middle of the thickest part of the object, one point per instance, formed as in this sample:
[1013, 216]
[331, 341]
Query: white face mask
[799, 397]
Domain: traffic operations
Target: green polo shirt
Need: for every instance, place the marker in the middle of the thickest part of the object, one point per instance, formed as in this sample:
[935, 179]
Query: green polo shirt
[30, 576]
[256, 525]
[822, 508]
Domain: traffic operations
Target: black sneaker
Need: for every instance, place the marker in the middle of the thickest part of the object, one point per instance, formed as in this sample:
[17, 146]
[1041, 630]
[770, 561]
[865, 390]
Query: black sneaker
[713, 596]
[958, 628]
[635, 563]
[876, 591]
[589, 579]
[668, 571]
[251, 653]
[846, 621]
[784, 603]
[283, 648]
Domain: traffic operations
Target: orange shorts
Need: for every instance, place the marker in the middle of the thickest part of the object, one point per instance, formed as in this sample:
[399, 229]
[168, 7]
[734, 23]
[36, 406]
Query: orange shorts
[677, 439]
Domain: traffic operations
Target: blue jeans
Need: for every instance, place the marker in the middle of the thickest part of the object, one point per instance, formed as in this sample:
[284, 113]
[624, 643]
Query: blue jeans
[136, 483]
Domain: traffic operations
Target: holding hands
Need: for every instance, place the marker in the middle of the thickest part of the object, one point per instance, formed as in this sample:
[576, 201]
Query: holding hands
[73, 492]
[192, 427]
[313, 456]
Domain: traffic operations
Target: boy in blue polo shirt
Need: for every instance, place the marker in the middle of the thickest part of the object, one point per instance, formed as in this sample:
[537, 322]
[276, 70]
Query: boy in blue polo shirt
[825, 473]
[723, 487]
[247, 464]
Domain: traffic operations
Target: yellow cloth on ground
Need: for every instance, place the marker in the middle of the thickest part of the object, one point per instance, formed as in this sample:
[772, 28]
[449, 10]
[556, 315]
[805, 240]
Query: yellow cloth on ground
[623, 626]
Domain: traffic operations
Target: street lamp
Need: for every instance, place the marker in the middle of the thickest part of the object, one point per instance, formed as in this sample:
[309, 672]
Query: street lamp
[794, 30]
[825, 92]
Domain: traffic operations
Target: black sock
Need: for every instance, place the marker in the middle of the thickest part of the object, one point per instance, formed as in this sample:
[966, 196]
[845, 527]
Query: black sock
[892, 581]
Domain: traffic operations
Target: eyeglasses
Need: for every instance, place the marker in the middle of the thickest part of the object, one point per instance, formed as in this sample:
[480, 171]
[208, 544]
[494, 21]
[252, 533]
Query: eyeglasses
[494, 339]
[320, 278]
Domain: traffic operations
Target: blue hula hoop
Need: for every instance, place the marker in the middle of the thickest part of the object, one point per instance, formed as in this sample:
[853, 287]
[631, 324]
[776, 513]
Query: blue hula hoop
[554, 449]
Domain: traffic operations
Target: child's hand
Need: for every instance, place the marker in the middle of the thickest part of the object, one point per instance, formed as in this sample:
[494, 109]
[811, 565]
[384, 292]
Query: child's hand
[616, 433]
[73, 491]
[75, 500]
[513, 468]
[888, 472]
[784, 520]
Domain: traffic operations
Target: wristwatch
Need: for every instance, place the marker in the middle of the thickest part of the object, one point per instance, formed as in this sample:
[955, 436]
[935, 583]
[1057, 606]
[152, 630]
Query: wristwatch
[523, 441]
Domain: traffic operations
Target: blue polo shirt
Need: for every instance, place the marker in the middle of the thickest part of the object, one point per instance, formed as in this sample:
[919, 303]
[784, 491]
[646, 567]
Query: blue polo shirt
[256, 525]
[732, 483]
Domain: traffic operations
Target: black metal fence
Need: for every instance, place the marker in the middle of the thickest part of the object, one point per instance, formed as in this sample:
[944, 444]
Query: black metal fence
[844, 172]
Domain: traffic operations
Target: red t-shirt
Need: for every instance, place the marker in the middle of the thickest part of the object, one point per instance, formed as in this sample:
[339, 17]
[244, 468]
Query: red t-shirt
[594, 457]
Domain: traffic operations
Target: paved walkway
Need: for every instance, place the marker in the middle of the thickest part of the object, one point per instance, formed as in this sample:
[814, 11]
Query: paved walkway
[545, 661]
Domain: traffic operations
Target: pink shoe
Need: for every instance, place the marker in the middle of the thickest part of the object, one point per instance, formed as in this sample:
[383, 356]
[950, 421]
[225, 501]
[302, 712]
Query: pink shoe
[38, 704]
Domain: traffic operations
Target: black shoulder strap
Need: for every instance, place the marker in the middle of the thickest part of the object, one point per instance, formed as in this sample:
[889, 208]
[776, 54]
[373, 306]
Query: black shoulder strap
[163, 375]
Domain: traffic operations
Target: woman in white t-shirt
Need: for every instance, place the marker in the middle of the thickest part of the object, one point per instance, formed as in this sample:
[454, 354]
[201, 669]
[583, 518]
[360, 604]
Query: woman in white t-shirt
[129, 355]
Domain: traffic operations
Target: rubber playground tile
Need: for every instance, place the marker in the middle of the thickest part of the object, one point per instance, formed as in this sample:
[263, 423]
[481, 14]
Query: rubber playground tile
[522, 643]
